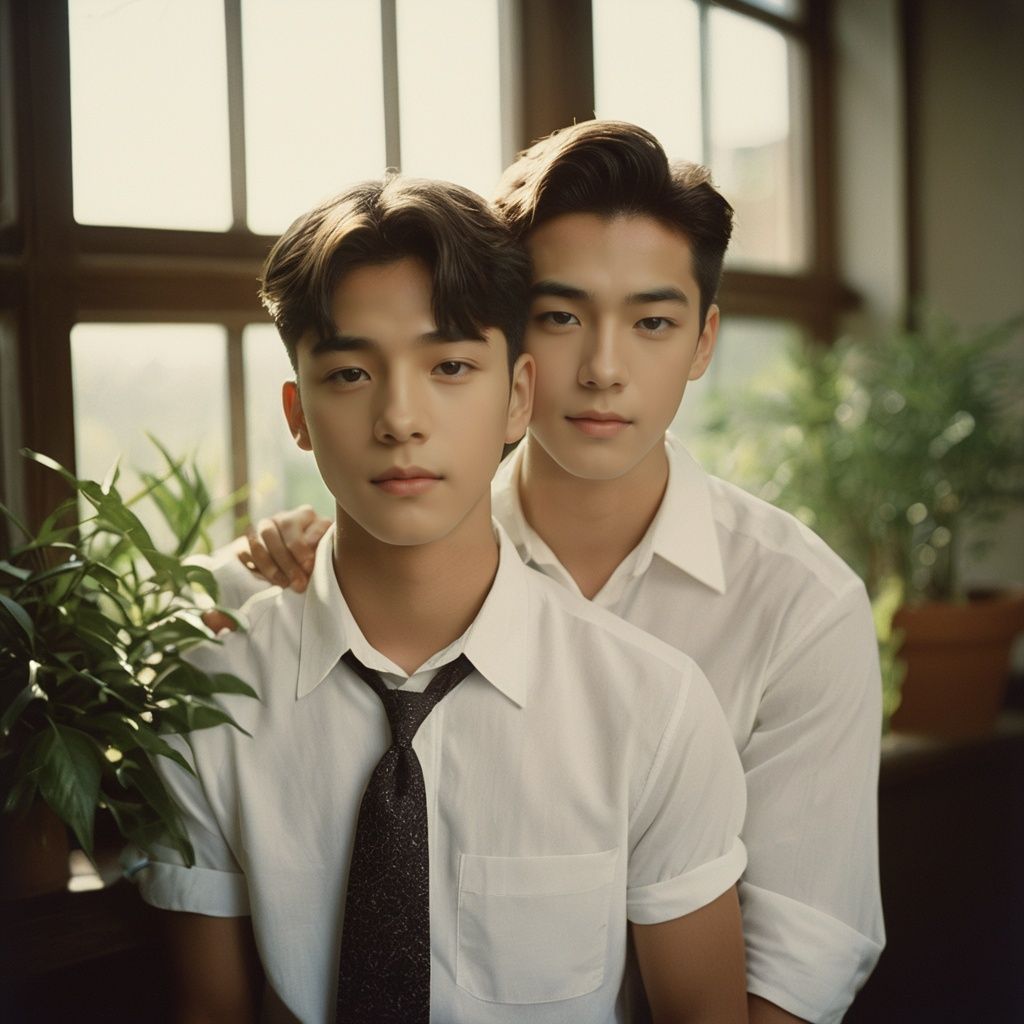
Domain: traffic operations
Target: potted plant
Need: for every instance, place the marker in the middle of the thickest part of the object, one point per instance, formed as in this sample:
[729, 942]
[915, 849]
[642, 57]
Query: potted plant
[95, 624]
[890, 449]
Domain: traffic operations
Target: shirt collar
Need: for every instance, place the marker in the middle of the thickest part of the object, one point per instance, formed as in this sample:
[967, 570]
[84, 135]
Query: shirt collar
[496, 641]
[683, 531]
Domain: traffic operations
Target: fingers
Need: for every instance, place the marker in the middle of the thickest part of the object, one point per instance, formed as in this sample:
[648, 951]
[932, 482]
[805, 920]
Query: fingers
[217, 621]
[282, 547]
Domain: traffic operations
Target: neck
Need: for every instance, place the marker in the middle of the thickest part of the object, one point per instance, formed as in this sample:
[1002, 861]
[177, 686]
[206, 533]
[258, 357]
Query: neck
[412, 601]
[590, 525]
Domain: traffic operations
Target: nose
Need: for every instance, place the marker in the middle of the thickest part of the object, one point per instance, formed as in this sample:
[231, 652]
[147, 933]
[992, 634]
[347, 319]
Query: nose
[401, 416]
[604, 364]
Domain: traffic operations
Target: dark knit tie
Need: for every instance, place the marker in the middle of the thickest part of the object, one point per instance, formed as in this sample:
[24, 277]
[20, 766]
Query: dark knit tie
[384, 968]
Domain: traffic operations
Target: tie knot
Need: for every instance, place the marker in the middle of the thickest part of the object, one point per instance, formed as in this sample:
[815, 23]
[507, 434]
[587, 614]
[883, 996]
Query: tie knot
[406, 709]
[406, 712]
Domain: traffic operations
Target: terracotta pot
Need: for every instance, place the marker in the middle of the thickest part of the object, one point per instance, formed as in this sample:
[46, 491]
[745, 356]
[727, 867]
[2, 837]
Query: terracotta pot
[957, 658]
[33, 853]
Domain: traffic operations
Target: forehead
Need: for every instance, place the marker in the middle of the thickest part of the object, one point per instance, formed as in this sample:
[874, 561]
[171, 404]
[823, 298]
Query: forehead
[388, 293]
[625, 252]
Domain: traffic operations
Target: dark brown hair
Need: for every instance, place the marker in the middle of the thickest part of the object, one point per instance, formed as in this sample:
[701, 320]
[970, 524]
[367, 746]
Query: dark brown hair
[612, 168]
[480, 273]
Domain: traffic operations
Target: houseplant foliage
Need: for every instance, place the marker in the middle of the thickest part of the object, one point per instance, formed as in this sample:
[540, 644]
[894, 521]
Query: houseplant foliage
[95, 623]
[889, 448]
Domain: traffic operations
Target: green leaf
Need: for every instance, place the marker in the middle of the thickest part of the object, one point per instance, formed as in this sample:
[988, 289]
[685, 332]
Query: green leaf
[11, 517]
[153, 744]
[19, 615]
[69, 779]
[30, 692]
[223, 682]
[110, 480]
[186, 715]
[14, 570]
[142, 778]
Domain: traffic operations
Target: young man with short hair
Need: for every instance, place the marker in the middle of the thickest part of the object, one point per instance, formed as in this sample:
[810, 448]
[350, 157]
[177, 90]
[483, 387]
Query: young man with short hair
[460, 780]
[627, 254]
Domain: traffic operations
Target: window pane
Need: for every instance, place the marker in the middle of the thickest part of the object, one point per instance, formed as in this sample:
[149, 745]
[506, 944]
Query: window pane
[314, 103]
[149, 113]
[662, 36]
[758, 153]
[449, 95]
[281, 475]
[169, 380]
[747, 350]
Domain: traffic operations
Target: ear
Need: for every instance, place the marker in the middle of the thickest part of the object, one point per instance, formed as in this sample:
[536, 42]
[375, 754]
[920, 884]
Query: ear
[293, 413]
[705, 345]
[520, 399]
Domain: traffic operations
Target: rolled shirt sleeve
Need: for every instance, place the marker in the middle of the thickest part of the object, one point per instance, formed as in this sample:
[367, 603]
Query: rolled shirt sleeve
[685, 849]
[810, 897]
[215, 885]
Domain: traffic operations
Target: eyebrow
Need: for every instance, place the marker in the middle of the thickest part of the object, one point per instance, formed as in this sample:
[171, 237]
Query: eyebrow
[667, 294]
[356, 343]
[559, 290]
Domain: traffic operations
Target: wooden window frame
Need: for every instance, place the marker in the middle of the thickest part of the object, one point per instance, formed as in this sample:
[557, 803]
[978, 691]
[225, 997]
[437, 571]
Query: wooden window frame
[55, 272]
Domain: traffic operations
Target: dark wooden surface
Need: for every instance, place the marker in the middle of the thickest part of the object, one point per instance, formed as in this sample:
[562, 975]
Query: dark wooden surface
[951, 836]
[951, 819]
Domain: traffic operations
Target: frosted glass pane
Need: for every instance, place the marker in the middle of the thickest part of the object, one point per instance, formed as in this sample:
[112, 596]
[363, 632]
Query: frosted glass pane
[281, 475]
[747, 349]
[647, 69]
[149, 113]
[169, 380]
[758, 155]
[314, 103]
[449, 91]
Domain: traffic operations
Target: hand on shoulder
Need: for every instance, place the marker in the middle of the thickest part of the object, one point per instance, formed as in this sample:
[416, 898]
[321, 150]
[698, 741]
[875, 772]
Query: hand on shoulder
[279, 549]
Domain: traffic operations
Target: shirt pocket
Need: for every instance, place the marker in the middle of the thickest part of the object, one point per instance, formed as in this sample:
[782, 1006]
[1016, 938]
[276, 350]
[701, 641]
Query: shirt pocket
[533, 929]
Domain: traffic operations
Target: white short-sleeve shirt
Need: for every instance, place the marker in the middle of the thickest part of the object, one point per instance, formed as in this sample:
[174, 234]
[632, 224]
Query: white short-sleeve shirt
[582, 776]
[783, 630]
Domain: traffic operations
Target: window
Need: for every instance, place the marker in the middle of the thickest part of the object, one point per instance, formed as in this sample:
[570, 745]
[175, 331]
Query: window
[214, 126]
[176, 139]
[730, 85]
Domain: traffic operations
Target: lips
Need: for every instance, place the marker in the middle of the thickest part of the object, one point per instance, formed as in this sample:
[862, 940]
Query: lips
[596, 423]
[406, 481]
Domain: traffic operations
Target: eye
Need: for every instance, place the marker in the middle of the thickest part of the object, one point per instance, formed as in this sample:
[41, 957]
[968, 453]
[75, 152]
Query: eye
[453, 368]
[558, 318]
[655, 324]
[348, 375]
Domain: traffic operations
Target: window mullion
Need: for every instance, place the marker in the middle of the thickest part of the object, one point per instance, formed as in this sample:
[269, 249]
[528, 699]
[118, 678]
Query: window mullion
[705, 83]
[236, 113]
[389, 61]
[236, 419]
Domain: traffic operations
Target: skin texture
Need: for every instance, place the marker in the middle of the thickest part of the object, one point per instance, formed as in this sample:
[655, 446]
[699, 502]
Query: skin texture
[216, 969]
[597, 346]
[692, 967]
[615, 328]
[389, 394]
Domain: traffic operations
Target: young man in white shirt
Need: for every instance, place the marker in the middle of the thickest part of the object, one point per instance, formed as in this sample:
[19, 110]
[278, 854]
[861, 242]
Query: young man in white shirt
[627, 256]
[581, 775]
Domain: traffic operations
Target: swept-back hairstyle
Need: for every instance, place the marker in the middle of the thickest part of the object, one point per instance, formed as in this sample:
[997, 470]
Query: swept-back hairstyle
[480, 274]
[611, 168]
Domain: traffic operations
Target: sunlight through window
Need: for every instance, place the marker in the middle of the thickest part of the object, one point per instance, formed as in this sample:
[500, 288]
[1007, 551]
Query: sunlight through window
[149, 114]
[314, 107]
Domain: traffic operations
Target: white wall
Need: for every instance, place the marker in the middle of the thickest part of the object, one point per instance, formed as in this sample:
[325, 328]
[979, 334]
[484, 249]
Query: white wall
[972, 188]
[969, 177]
